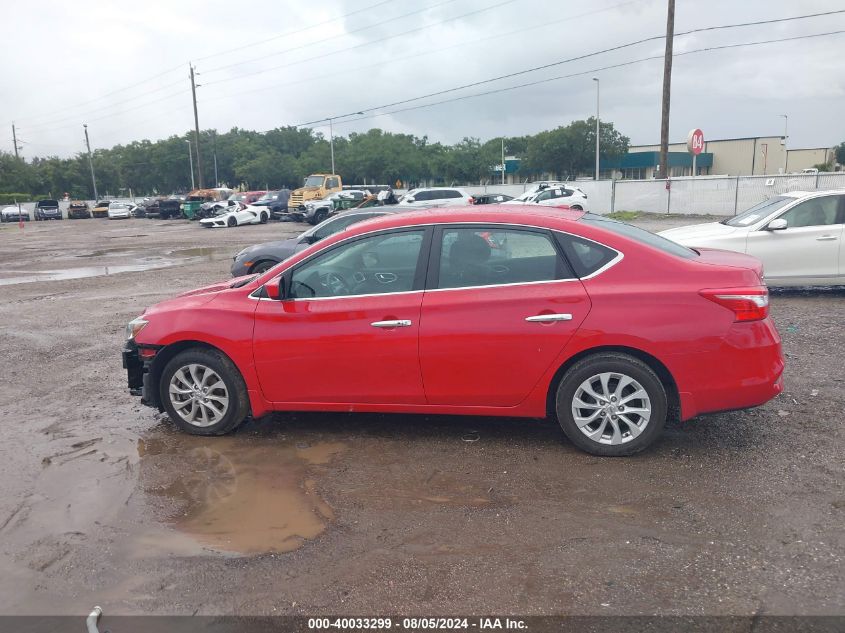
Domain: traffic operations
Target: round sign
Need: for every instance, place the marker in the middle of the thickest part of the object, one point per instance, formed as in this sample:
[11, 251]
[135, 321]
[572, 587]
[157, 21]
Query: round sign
[695, 142]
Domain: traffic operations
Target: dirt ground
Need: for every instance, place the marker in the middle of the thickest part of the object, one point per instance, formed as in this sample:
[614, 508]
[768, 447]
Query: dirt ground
[104, 503]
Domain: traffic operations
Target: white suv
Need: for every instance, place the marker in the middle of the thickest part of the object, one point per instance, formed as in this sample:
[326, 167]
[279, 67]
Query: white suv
[553, 195]
[436, 197]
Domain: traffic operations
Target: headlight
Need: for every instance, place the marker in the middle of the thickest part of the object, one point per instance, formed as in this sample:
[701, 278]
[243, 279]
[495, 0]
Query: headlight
[135, 326]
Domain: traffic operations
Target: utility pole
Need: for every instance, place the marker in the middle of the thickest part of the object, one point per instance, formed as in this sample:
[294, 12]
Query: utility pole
[91, 162]
[196, 127]
[785, 137]
[214, 148]
[667, 89]
[15, 141]
[191, 163]
[598, 129]
[503, 160]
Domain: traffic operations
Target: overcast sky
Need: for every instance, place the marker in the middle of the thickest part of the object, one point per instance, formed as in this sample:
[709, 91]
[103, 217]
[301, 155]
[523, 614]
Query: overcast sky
[122, 68]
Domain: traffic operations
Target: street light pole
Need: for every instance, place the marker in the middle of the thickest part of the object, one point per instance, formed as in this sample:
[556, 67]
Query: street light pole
[598, 129]
[191, 163]
[503, 160]
[90, 162]
[785, 137]
[331, 142]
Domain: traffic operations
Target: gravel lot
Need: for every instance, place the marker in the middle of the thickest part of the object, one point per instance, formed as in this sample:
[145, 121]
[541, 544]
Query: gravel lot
[104, 503]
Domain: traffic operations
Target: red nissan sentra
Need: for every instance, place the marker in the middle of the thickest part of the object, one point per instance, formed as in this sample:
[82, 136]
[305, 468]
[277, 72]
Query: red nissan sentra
[524, 312]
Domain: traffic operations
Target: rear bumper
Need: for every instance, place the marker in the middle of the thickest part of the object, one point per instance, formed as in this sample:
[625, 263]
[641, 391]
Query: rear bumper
[745, 371]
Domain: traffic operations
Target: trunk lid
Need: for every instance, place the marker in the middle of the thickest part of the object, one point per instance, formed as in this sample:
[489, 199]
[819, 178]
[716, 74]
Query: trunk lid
[717, 257]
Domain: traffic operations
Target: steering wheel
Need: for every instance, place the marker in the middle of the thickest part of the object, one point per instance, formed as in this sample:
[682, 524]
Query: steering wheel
[335, 284]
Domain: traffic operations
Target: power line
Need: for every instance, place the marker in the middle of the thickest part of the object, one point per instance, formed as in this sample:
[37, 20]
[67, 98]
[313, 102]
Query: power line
[569, 60]
[362, 45]
[295, 32]
[706, 49]
[347, 71]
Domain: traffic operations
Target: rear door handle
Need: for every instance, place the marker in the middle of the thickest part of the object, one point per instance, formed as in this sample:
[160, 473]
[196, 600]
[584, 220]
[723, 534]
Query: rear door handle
[826, 238]
[548, 318]
[395, 323]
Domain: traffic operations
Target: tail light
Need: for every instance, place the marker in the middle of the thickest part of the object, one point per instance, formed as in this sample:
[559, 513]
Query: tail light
[747, 304]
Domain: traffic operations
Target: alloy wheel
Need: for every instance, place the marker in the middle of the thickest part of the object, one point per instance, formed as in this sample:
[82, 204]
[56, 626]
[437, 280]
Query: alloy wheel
[611, 408]
[198, 395]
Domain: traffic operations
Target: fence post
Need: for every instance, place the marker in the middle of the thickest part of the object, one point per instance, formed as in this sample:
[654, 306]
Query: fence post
[817, 181]
[613, 195]
[736, 195]
[668, 196]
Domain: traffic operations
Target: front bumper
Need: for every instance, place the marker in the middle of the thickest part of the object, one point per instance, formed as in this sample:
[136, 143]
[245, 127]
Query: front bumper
[138, 376]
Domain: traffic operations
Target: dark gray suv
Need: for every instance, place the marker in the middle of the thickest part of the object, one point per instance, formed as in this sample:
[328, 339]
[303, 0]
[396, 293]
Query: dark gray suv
[47, 210]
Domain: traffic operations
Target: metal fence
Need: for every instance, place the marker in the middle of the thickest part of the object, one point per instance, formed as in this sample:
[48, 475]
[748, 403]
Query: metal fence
[703, 195]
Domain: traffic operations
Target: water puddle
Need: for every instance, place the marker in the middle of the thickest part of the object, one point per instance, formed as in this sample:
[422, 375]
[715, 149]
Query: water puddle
[236, 494]
[26, 276]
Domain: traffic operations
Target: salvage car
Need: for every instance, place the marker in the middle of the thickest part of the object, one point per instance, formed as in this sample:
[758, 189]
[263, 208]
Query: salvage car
[261, 257]
[607, 327]
[101, 209]
[120, 211]
[275, 201]
[491, 198]
[315, 211]
[47, 210]
[14, 214]
[78, 210]
[799, 236]
[435, 197]
[164, 208]
[235, 215]
[551, 194]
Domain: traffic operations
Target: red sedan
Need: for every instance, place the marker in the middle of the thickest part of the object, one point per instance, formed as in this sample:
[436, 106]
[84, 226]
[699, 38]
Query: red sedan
[525, 312]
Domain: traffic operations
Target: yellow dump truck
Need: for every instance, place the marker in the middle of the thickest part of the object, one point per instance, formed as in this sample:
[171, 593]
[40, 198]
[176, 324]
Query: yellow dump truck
[316, 187]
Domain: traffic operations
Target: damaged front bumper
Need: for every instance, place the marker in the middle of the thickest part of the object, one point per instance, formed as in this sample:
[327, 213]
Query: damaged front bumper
[137, 361]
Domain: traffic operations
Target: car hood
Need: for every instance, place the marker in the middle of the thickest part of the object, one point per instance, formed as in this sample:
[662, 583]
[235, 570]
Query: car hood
[281, 249]
[698, 234]
[192, 298]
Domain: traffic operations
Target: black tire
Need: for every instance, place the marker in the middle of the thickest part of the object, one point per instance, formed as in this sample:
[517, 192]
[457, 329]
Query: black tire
[263, 218]
[262, 266]
[238, 407]
[625, 365]
[577, 207]
[231, 222]
[320, 216]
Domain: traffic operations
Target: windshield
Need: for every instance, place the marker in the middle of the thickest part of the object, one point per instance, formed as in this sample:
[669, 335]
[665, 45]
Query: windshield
[238, 197]
[336, 225]
[640, 235]
[314, 181]
[526, 196]
[270, 195]
[759, 211]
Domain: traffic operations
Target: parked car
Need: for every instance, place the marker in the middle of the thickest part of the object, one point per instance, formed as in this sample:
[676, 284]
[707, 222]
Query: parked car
[275, 201]
[247, 198]
[138, 210]
[435, 197]
[47, 210]
[235, 215]
[164, 208]
[78, 210]
[799, 236]
[261, 257]
[192, 205]
[119, 211]
[315, 211]
[491, 198]
[553, 195]
[605, 326]
[101, 209]
[13, 214]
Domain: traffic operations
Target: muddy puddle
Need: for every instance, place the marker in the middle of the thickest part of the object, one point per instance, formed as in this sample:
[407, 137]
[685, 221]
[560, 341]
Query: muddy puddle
[234, 495]
[140, 263]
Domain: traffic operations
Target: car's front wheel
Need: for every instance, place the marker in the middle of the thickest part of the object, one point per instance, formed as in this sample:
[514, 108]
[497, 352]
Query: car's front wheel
[262, 266]
[203, 392]
[611, 404]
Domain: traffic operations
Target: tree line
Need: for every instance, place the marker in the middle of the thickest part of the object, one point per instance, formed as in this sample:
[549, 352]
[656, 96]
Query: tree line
[283, 156]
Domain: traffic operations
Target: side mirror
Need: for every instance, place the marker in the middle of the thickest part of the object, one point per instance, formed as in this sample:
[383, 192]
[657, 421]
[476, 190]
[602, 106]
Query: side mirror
[277, 290]
[777, 225]
[409, 200]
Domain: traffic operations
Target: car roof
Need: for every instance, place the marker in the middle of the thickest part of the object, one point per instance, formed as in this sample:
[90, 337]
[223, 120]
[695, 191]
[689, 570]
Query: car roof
[803, 194]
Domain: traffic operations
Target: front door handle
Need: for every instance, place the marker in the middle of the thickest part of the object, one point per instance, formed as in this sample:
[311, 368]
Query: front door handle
[395, 323]
[826, 238]
[548, 318]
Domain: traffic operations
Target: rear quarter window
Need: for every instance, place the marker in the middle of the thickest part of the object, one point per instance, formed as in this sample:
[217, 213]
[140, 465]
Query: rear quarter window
[585, 256]
[639, 235]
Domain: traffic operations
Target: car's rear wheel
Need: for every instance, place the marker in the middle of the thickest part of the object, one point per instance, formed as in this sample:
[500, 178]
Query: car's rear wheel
[611, 404]
[264, 217]
[262, 266]
[203, 392]
[231, 222]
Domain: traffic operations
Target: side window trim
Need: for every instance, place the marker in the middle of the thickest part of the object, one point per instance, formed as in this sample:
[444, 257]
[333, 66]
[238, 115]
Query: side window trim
[432, 278]
[419, 273]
